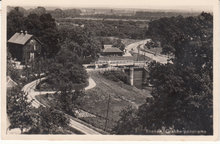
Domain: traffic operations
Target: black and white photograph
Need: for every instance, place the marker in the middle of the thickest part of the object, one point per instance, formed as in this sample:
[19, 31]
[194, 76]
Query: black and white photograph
[118, 68]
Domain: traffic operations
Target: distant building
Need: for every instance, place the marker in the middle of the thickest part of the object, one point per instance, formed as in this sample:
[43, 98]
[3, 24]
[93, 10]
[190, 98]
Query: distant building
[24, 47]
[111, 51]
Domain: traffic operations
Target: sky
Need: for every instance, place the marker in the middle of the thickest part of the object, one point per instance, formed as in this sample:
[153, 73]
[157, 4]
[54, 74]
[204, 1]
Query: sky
[196, 5]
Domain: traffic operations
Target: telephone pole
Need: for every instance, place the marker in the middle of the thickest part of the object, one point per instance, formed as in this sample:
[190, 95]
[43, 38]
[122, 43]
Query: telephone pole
[106, 121]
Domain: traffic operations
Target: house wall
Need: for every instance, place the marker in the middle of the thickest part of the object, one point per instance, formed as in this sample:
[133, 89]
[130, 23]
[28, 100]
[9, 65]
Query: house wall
[112, 54]
[16, 51]
[31, 50]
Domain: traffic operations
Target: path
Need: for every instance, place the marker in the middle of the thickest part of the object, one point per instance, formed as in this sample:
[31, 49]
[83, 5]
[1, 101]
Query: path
[29, 90]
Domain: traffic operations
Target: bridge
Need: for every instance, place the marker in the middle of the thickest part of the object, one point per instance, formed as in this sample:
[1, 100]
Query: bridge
[105, 64]
[128, 66]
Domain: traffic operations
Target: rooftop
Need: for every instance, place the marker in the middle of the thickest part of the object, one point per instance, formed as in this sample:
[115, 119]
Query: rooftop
[20, 38]
[10, 82]
[109, 49]
[116, 58]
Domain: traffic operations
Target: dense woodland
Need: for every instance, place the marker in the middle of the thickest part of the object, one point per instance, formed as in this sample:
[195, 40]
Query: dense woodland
[182, 90]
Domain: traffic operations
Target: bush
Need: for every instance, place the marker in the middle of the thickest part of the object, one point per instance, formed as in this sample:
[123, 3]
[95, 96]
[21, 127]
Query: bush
[117, 76]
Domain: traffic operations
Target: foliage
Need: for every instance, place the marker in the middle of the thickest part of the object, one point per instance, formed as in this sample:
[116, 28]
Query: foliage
[151, 44]
[119, 45]
[68, 101]
[58, 13]
[116, 76]
[39, 11]
[138, 15]
[105, 28]
[115, 42]
[11, 70]
[49, 121]
[38, 23]
[15, 21]
[67, 76]
[182, 90]
[79, 42]
[44, 28]
[127, 122]
[19, 110]
[182, 34]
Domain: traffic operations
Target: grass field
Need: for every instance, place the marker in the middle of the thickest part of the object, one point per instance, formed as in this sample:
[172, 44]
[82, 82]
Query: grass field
[121, 96]
[95, 101]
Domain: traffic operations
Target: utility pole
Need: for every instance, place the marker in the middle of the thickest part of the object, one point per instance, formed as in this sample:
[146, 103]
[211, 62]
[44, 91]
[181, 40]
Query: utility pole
[138, 47]
[106, 121]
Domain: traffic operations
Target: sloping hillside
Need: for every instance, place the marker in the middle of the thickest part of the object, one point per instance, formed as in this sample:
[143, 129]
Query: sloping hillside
[120, 96]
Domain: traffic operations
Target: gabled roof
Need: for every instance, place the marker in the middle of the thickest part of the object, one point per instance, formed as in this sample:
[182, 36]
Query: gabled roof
[109, 49]
[20, 38]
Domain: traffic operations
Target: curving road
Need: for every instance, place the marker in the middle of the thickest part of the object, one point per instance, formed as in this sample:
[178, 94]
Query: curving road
[137, 46]
[29, 90]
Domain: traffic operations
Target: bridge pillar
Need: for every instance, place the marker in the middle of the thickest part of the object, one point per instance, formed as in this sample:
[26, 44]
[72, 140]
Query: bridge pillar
[131, 76]
[96, 66]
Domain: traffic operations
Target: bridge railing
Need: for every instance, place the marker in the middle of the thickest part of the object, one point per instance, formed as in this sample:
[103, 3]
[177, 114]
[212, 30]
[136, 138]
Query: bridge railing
[116, 63]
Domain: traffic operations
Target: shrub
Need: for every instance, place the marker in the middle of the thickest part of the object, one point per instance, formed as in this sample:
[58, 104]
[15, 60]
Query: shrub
[117, 76]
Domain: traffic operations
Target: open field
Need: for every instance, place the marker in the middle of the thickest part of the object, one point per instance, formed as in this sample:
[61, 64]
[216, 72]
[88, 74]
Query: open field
[121, 96]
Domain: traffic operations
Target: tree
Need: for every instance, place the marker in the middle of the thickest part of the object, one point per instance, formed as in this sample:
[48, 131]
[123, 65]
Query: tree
[11, 70]
[15, 21]
[39, 11]
[33, 25]
[69, 79]
[19, 110]
[57, 13]
[80, 42]
[182, 90]
[127, 122]
[68, 101]
[38, 23]
[49, 121]
[119, 44]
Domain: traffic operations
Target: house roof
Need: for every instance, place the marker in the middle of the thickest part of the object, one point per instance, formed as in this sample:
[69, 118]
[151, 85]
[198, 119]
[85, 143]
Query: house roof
[110, 49]
[20, 38]
[10, 82]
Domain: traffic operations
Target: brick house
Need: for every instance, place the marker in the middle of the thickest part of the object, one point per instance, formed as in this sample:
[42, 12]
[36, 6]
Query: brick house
[24, 47]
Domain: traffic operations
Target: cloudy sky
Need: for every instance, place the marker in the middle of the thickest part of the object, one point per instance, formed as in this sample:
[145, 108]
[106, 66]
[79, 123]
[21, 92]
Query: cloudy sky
[142, 4]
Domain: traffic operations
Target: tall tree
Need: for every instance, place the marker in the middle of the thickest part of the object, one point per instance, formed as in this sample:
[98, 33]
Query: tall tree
[15, 22]
[69, 78]
[80, 42]
[19, 110]
[49, 121]
[182, 90]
